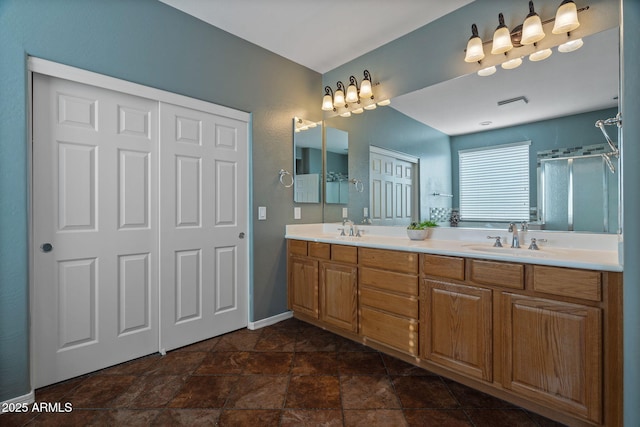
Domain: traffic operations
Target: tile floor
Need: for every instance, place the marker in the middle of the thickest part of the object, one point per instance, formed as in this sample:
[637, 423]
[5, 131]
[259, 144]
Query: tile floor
[288, 374]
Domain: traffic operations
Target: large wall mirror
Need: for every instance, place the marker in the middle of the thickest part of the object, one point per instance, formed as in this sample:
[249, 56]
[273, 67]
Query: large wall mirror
[557, 102]
[307, 162]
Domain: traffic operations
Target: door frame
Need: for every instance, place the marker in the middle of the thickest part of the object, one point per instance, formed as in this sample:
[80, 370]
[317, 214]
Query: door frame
[54, 69]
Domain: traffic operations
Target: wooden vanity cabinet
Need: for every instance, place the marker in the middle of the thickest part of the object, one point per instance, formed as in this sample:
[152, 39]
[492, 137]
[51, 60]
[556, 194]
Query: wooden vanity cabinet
[389, 298]
[323, 283]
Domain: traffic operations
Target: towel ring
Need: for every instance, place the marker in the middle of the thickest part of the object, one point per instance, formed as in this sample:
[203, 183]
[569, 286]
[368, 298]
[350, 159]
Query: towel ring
[284, 173]
[358, 184]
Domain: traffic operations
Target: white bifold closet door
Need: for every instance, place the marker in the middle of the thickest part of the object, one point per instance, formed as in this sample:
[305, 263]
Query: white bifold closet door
[137, 210]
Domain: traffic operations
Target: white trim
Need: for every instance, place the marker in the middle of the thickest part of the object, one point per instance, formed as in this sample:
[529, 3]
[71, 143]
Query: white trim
[270, 320]
[27, 398]
[495, 147]
[42, 66]
[395, 154]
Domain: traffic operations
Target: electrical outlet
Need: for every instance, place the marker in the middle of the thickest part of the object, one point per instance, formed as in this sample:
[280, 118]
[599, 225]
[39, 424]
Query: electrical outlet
[365, 212]
[345, 213]
[297, 213]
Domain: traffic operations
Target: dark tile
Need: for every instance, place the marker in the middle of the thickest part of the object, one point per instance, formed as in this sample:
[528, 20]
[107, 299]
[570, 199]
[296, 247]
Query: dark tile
[178, 363]
[99, 391]
[542, 421]
[253, 418]
[500, 417]
[10, 419]
[187, 418]
[316, 340]
[423, 392]
[311, 418]
[400, 367]
[259, 392]
[290, 325]
[368, 392]
[315, 363]
[125, 417]
[344, 344]
[276, 340]
[141, 366]
[204, 392]
[57, 392]
[242, 340]
[471, 398]
[153, 391]
[224, 362]
[359, 363]
[75, 418]
[268, 363]
[206, 345]
[311, 391]
[374, 418]
[437, 418]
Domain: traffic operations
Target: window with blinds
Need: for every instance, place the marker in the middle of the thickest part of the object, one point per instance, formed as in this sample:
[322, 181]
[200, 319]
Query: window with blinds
[494, 183]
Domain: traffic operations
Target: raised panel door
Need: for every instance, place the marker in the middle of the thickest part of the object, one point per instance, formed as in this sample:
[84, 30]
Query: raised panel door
[338, 295]
[303, 286]
[458, 328]
[553, 353]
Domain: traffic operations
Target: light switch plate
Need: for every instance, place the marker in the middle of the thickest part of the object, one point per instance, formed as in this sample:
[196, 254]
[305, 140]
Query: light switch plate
[297, 213]
[262, 213]
[365, 212]
[345, 213]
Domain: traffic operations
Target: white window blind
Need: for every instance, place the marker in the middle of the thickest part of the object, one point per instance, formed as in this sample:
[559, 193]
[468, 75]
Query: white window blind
[494, 183]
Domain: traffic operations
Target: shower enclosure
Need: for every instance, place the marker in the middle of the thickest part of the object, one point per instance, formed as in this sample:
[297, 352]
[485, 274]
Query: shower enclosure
[578, 193]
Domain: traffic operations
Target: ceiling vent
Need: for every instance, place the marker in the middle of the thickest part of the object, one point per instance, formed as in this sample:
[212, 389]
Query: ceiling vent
[522, 99]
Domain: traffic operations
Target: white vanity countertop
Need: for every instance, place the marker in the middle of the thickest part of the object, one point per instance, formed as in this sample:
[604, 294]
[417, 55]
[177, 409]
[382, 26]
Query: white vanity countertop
[563, 249]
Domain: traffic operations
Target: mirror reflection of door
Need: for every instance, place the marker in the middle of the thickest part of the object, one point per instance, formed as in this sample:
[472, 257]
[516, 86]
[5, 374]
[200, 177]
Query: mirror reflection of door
[307, 143]
[393, 184]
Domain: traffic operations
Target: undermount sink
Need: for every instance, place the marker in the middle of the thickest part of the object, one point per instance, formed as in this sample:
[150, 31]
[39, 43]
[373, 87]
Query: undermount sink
[543, 252]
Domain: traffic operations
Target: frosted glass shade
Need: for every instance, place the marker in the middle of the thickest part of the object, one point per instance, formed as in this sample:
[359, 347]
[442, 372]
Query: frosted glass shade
[384, 102]
[346, 114]
[365, 89]
[570, 46]
[540, 55]
[511, 64]
[327, 103]
[358, 111]
[566, 18]
[352, 93]
[338, 99]
[501, 41]
[487, 71]
[532, 30]
[475, 52]
[370, 107]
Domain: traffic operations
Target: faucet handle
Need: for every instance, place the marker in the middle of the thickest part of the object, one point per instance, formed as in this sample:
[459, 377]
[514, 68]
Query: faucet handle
[524, 225]
[498, 243]
[341, 231]
[534, 243]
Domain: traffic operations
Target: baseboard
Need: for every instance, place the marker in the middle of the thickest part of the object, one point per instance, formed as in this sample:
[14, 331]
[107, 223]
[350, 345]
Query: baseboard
[270, 320]
[26, 399]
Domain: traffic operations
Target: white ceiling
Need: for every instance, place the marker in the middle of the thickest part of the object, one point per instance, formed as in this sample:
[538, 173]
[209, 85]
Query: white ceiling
[563, 84]
[318, 33]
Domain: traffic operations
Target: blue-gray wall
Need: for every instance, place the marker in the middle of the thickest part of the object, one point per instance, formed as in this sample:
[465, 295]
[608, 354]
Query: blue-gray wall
[564, 132]
[147, 42]
[630, 108]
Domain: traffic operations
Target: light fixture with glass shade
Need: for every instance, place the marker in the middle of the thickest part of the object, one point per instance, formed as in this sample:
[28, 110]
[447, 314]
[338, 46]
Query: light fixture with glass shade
[532, 31]
[570, 46]
[540, 55]
[512, 63]
[487, 71]
[501, 38]
[566, 18]
[475, 51]
[353, 99]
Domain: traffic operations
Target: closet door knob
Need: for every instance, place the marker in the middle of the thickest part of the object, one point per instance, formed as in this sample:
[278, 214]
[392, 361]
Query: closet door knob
[241, 235]
[46, 247]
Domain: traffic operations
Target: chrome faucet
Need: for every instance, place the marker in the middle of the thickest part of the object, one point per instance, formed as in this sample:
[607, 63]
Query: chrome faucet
[513, 228]
[346, 222]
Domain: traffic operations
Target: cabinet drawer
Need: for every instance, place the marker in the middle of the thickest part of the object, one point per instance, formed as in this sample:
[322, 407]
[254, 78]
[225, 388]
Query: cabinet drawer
[396, 332]
[497, 273]
[320, 250]
[403, 262]
[348, 254]
[443, 266]
[568, 282]
[298, 247]
[397, 304]
[396, 282]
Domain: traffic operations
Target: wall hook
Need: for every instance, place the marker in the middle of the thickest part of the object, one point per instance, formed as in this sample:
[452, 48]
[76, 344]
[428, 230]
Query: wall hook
[358, 184]
[283, 173]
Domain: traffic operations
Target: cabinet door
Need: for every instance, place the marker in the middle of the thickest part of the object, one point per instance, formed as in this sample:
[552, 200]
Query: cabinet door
[338, 295]
[303, 285]
[458, 328]
[552, 353]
